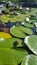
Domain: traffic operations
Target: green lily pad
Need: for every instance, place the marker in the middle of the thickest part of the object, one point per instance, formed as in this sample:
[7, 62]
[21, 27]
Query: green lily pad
[30, 60]
[31, 42]
[25, 30]
[16, 32]
[11, 56]
[10, 42]
[28, 25]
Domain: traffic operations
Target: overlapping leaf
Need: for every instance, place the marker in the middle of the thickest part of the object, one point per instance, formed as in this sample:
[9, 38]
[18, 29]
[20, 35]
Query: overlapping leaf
[11, 56]
[10, 42]
[30, 60]
[25, 30]
[31, 42]
[17, 33]
[28, 25]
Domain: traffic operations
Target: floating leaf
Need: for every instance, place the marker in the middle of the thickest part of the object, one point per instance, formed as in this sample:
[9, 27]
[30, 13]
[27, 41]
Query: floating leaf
[28, 25]
[30, 60]
[31, 42]
[4, 35]
[10, 42]
[16, 32]
[25, 30]
[11, 56]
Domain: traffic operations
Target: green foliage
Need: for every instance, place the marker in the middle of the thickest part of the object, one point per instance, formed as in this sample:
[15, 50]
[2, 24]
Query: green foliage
[18, 33]
[11, 56]
[16, 50]
[30, 60]
[32, 43]
[10, 42]
[28, 25]
[25, 30]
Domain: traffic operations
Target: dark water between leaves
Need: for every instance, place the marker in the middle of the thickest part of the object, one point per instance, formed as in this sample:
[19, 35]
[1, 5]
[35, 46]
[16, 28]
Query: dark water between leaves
[29, 4]
[34, 30]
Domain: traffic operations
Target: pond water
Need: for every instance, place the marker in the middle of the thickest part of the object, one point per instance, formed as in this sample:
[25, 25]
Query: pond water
[34, 30]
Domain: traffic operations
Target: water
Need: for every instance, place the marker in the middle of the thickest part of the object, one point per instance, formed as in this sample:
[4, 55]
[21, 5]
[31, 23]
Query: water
[34, 30]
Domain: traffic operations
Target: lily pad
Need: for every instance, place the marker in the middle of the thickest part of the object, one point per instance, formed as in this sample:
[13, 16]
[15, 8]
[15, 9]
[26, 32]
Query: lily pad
[10, 42]
[25, 30]
[16, 32]
[31, 42]
[28, 25]
[30, 60]
[11, 56]
[4, 35]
